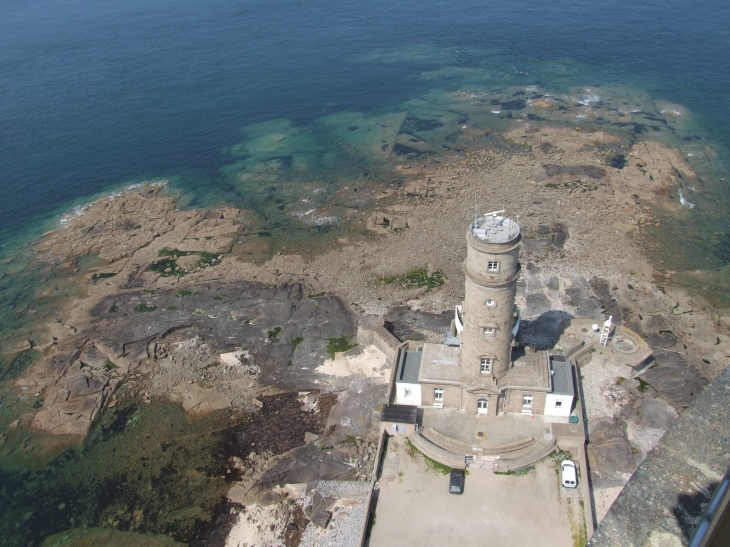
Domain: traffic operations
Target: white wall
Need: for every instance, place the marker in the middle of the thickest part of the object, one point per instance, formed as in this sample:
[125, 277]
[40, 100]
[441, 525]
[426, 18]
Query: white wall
[400, 394]
[564, 409]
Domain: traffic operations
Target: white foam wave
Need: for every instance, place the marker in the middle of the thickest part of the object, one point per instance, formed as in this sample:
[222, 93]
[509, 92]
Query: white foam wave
[66, 218]
[688, 204]
[588, 99]
[79, 210]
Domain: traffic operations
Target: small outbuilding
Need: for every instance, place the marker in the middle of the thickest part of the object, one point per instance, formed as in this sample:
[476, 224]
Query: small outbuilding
[401, 419]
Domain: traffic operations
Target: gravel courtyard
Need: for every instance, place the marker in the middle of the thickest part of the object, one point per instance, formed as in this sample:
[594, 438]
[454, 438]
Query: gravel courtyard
[415, 509]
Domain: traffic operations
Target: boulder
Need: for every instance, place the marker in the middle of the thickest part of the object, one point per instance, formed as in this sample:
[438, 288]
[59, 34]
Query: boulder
[199, 401]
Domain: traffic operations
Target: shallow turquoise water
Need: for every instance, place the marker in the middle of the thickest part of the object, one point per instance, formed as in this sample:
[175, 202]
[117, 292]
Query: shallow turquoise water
[93, 95]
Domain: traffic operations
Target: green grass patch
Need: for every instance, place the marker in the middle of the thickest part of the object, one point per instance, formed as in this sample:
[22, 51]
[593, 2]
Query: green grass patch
[298, 340]
[110, 366]
[171, 308]
[144, 308]
[560, 455]
[349, 440]
[667, 332]
[519, 472]
[318, 295]
[39, 402]
[113, 308]
[338, 345]
[184, 293]
[274, 334]
[415, 278]
[718, 341]
[643, 386]
[431, 465]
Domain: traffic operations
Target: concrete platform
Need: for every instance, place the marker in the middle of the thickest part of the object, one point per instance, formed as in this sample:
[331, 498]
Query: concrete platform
[501, 429]
[414, 507]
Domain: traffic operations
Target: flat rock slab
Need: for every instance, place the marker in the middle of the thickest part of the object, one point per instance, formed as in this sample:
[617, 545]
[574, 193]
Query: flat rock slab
[197, 400]
[270, 322]
[675, 377]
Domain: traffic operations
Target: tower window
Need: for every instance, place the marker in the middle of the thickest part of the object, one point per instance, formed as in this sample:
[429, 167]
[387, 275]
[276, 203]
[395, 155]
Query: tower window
[490, 303]
[558, 404]
[408, 392]
[438, 394]
[488, 331]
[492, 266]
[527, 401]
[485, 365]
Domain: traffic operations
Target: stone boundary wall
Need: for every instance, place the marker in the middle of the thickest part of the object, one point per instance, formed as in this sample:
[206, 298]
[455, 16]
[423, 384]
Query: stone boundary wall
[371, 332]
[664, 499]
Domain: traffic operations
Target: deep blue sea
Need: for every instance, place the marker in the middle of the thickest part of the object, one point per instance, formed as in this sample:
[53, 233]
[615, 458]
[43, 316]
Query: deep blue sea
[226, 97]
[95, 95]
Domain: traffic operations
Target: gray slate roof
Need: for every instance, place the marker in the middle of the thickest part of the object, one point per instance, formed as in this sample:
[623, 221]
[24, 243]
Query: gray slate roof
[409, 367]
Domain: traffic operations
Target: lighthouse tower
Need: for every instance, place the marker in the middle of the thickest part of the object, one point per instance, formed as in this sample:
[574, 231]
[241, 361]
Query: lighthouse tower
[489, 317]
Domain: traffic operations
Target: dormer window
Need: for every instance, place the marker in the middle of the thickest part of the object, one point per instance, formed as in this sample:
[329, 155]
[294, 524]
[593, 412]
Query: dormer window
[488, 331]
[490, 303]
[493, 266]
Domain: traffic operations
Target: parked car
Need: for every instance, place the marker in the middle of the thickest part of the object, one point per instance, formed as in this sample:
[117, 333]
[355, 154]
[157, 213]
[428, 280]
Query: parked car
[568, 474]
[456, 481]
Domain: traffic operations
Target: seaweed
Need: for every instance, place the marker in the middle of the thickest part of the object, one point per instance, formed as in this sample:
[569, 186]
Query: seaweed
[97, 276]
[338, 345]
[418, 277]
[273, 335]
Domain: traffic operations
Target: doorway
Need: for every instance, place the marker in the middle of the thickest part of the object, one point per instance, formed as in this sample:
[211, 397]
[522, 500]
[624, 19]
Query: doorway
[482, 406]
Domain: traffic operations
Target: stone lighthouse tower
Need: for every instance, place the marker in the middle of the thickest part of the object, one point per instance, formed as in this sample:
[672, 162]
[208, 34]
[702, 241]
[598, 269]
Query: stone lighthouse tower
[489, 317]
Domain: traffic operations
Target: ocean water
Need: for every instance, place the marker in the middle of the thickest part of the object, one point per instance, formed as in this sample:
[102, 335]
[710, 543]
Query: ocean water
[94, 94]
[267, 104]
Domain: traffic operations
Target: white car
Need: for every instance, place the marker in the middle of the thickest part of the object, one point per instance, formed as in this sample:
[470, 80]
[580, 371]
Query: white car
[568, 474]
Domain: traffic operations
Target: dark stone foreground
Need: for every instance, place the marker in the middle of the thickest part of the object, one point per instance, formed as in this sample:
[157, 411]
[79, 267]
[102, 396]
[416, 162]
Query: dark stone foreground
[665, 498]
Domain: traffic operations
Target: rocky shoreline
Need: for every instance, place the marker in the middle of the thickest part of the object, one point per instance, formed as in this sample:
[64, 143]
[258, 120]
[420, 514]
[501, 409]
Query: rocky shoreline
[174, 304]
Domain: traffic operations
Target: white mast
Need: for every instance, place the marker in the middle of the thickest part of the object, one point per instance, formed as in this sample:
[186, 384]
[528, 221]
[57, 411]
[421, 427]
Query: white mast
[606, 332]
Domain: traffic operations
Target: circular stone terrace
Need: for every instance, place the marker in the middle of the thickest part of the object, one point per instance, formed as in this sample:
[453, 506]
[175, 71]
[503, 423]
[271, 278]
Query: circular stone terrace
[494, 229]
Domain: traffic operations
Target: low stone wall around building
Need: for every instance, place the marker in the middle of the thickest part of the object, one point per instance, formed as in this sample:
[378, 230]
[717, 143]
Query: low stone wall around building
[370, 331]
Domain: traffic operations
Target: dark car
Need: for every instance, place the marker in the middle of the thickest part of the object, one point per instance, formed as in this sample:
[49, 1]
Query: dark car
[456, 481]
